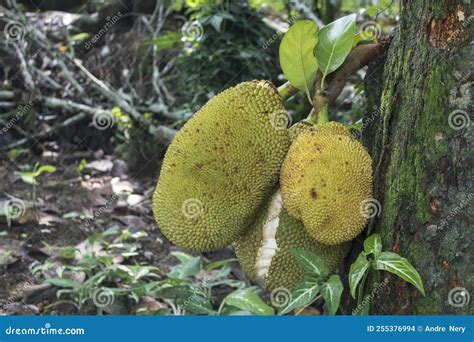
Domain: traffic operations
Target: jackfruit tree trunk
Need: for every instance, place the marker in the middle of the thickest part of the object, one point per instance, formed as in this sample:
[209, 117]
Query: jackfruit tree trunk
[420, 137]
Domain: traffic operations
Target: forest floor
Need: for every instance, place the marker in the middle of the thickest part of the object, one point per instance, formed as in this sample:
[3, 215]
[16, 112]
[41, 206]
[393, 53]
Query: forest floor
[64, 215]
[73, 204]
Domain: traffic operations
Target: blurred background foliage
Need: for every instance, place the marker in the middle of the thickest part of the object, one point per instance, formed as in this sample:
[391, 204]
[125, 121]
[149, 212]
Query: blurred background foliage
[240, 42]
[168, 58]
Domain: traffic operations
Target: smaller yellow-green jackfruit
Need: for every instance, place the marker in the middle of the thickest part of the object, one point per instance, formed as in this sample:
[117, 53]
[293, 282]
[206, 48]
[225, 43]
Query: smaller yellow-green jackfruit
[325, 180]
[221, 166]
[264, 251]
[330, 128]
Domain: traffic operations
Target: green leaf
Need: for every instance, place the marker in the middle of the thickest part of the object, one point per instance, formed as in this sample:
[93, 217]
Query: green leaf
[67, 252]
[335, 43]
[394, 263]
[80, 36]
[303, 294]
[216, 22]
[357, 39]
[373, 244]
[62, 282]
[248, 300]
[371, 10]
[197, 305]
[81, 165]
[217, 264]
[44, 168]
[186, 269]
[183, 257]
[168, 40]
[357, 271]
[297, 58]
[331, 292]
[311, 263]
[113, 231]
[27, 177]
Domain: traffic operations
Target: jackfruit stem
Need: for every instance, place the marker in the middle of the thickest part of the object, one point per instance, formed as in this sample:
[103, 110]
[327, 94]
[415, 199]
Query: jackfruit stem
[323, 115]
[320, 117]
[286, 91]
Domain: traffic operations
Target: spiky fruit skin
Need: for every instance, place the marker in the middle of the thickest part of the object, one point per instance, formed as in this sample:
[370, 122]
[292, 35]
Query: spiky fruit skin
[325, 179]
[331, 128]
[221, 166]
[284, 271]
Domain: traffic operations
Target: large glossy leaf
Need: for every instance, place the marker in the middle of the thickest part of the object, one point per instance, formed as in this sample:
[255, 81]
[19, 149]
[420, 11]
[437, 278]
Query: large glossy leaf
[373, 244]
[248, 300]
[311, 263]
[297, 58]
[335, 43]
[303, 294]
[331, 292]
[357, 271]
[394, 263]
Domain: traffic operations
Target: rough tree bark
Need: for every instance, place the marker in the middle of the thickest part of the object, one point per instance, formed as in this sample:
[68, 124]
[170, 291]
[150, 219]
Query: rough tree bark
[421, 139]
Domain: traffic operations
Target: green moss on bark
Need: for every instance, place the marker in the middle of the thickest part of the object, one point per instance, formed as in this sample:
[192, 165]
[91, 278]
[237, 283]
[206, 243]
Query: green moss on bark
[422, 166]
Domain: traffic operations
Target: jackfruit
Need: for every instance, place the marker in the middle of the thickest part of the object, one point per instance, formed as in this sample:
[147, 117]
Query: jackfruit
[221, 166]
[264, 251]
[325, 180]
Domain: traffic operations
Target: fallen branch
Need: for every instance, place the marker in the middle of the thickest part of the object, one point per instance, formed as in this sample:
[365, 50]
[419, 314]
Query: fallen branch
[45, 133]
[162, 133]
[7, 95]
[302, 7]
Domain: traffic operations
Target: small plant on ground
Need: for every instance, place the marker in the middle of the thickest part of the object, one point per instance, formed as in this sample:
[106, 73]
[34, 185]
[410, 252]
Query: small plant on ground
[30, 177]
[317, 283]
[373, 260]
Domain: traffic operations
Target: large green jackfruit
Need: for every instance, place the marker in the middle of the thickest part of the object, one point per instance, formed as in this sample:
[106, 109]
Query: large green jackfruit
[264, 251]
[221, 166]
[325, 180]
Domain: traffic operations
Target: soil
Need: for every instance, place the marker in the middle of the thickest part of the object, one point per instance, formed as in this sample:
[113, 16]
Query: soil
[54, 218]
